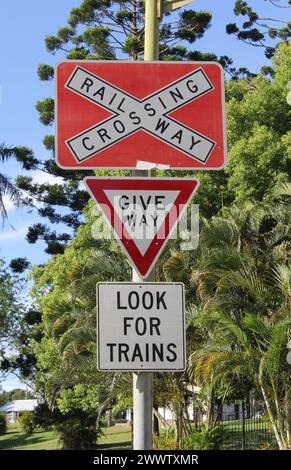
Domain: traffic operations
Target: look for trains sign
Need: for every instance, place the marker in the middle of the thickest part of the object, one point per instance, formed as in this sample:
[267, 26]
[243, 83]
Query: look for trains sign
[120, 114]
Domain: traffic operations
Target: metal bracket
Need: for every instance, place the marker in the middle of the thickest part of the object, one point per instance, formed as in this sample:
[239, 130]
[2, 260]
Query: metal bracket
[170, 5]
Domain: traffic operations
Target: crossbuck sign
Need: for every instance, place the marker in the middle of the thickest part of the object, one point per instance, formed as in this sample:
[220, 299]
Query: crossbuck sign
[108, 111]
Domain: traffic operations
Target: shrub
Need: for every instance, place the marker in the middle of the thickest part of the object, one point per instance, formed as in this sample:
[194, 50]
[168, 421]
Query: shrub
[46, 418]
[165, 441]
[3, 424]
[206, 438]
[78, 433]
[27, 422]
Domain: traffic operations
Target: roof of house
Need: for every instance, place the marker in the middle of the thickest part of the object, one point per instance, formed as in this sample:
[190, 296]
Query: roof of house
[19, 405]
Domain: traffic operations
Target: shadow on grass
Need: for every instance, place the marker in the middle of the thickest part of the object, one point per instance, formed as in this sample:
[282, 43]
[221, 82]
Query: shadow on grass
[14, 439]
[114, 446]
[20, 441]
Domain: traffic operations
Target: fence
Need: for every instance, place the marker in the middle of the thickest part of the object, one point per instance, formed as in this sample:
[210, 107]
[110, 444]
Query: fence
[245, 428]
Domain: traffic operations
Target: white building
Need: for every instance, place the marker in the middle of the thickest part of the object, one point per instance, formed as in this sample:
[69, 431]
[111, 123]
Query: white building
[12, 409]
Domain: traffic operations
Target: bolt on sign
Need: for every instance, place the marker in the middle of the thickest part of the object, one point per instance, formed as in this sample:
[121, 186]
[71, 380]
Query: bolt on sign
[120, 114]
[142, 212]
[140, 327]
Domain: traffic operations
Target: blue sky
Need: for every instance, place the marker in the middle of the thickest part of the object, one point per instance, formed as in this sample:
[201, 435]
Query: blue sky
[23, 26]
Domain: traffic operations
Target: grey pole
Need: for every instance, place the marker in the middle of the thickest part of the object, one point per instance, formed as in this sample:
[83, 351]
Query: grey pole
[142, 393]
[142, 410]
[143, 381]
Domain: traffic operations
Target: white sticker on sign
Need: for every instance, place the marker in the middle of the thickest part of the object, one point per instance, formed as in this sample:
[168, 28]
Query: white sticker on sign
[141, 326]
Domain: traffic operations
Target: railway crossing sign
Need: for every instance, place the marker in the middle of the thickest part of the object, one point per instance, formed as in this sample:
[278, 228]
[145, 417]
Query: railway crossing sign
[143, 212]
[140, 326]
[122, 114]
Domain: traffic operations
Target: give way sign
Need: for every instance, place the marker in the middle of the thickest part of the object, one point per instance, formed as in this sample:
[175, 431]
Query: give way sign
[142, 213]
[120, 114]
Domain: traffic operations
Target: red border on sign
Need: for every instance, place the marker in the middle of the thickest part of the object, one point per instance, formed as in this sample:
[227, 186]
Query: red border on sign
[75, 114]
[143, 263]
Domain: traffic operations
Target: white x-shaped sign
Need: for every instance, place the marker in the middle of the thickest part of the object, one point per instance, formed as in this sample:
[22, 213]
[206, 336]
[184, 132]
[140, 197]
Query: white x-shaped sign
[130, 114]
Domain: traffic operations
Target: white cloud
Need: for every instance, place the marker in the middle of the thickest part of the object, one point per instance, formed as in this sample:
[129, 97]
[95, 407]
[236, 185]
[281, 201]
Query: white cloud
[13, 234]
[8, 203]
[40, 177]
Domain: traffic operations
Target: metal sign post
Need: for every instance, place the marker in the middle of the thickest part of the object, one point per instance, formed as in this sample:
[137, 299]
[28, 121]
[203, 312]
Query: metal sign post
[143, 381]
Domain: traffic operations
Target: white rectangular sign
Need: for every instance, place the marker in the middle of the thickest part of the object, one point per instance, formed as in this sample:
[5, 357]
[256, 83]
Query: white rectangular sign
[141, 326]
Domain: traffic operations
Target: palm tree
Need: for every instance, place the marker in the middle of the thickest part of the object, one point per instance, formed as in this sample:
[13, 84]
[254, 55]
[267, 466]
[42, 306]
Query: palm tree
[255, 347]
[240, 268]
[7, 188]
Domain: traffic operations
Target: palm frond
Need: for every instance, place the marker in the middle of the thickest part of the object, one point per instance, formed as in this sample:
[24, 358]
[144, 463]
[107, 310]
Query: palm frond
[11, 191]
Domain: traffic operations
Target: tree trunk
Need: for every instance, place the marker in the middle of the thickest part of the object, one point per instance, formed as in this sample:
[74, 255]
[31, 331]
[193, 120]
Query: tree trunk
[272, 418]
[209, 406]
[179, 426]
[109, 418]
[288, 420]
[156, 426]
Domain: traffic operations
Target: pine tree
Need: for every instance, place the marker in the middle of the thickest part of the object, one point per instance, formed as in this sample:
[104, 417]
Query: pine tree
[257, 30]
[103, 30]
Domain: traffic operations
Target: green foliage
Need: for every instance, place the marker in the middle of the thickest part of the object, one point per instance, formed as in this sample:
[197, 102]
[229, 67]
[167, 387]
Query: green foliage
[27, 422]
[78, 433]
[81, 397]
[257, 29]
[192, 25]
[45, 72]
[258, 117]
[46, 111]
[165, 441]
[19, 265]
[3, 424]
[206, 438]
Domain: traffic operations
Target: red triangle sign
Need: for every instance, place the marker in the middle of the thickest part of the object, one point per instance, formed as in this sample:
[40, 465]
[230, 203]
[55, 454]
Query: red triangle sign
[143, 212]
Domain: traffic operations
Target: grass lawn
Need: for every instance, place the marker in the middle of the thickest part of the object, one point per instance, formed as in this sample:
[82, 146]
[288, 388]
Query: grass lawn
[118, 437]
[15, 439]
[115, 438]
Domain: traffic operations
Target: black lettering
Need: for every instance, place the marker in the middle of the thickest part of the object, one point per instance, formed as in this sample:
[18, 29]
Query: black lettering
[147, 305]
[158, 350]
[111, 346]
[122, 351]
[124, 205]
[131, 219]
[194, 89]
[84, 143]
[152, 111]
[143, 220]
[119, 107]
[160, 300]
[133, 300]
[103, 133]
[88, 83]
[126, 324]
[113, 98]
[154, 325]
[120, 128]
[135, 118]
[147, 352]
[176, 94]
[144, 202]
[163, 104]
[159, 201]
[119, 306]
[170, 348]
[178, 136]
[193, 142]
[140, 326]
[163, 125]
[100, 92]
[137, 353]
